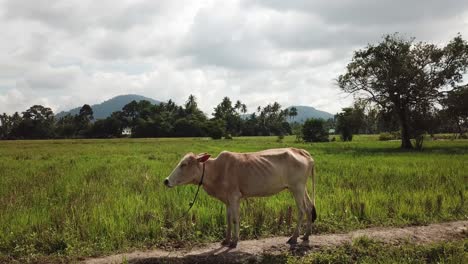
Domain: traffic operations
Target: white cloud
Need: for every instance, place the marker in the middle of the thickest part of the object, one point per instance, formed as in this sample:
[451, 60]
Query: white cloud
[66, 53]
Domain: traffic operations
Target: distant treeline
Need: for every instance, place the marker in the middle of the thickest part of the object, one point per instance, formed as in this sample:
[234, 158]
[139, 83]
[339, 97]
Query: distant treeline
[228, 119]
[145, 119]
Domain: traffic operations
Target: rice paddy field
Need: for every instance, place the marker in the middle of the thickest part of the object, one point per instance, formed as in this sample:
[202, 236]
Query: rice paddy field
[76, 198]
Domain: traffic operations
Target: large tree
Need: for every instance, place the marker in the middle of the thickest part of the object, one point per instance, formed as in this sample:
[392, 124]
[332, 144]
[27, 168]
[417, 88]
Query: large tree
[403, 76]
[37, 122]
[227, 113]
[455, 110]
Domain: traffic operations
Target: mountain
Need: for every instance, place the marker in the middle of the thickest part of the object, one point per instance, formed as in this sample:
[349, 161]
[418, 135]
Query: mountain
[106, 108]
[305, 112]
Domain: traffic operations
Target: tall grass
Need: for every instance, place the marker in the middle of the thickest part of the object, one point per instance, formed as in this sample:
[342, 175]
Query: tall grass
[89, 197]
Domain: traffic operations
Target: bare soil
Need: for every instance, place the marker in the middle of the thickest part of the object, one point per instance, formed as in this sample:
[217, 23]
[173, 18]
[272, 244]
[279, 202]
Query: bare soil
[251, 249]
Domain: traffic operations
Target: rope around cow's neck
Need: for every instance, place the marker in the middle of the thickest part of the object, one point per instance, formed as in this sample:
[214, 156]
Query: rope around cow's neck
[194, 198]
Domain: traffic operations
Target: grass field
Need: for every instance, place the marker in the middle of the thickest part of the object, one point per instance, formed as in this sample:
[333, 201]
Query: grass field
[89, 197]
[365, 250]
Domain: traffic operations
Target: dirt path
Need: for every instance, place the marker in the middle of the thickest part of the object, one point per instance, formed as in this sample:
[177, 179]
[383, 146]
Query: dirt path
[215, 253]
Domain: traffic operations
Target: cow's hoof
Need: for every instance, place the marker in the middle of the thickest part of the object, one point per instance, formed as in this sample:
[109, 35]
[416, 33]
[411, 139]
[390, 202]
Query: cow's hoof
[305, 238]
[292, 241]
[226, 242]
[233, 244]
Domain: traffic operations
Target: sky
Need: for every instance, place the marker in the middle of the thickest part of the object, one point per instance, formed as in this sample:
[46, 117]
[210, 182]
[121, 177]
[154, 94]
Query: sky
[63, 54]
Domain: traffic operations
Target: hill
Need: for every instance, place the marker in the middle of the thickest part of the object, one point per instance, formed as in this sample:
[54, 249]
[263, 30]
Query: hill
[106, 108]
[305, 112]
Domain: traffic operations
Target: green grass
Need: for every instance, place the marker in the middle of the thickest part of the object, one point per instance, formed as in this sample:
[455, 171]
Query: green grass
[90, 197]
[364, 250]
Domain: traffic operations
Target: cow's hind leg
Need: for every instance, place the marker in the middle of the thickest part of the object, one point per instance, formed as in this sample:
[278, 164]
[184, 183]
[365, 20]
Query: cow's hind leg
[299, 197]
[310, 214]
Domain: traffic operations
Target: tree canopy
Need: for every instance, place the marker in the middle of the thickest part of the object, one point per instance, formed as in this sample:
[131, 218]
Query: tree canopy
[405, 77]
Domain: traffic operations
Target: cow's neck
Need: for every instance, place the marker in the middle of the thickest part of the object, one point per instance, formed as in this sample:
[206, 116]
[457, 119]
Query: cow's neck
[210, 179]
[209, 164]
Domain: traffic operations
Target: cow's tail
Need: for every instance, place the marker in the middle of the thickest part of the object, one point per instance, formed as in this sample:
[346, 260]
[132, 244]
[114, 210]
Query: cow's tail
[312, 174]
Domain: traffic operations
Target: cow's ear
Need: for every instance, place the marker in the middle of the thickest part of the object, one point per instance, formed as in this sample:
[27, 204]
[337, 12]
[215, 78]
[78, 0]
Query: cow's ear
[202, 157]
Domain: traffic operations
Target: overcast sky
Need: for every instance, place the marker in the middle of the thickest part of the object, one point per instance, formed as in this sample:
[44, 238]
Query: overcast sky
[63, 53]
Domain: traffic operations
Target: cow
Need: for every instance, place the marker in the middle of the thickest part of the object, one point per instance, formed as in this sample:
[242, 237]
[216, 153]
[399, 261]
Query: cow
[233, 176]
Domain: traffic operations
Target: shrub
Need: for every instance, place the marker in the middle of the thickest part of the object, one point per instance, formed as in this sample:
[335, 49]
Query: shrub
[346, 135]
[313, 130]
[215, 129]
[386, 136]
[280, 138]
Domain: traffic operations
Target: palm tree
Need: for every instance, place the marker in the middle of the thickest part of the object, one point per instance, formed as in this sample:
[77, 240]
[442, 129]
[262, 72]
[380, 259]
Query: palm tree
[292, 112]
[244, 109]
[238, 106]
[191, 104]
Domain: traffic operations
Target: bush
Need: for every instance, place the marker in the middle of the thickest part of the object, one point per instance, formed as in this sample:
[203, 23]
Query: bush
[280, 139]
[346, 135]
[348, 123]
[386, 136]
[314, 130]
[297, 131]
[215, 129]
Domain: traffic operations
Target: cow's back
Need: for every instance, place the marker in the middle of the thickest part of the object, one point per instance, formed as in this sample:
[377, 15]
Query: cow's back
[265, 172]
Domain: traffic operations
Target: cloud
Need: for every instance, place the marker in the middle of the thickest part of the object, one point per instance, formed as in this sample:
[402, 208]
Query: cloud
[222, 36]
[77, 16]
[64, 53]
[370, 12]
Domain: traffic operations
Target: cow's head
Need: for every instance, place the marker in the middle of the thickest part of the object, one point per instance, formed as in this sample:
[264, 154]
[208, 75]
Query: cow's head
[189, 170]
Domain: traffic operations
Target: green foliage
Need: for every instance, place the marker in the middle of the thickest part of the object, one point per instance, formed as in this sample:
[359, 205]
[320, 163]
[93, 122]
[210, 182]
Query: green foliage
[386, 136]
[313, 130]
[37, 122]
[348, 122]
[227, 113]
[215, 129]
[145, 119]
[405, 78]
[87, 197]
[455, 110]
[271, 120]
[297, 132]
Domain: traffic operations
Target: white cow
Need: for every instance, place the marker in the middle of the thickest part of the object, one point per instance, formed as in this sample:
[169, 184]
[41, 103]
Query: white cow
[233, 176]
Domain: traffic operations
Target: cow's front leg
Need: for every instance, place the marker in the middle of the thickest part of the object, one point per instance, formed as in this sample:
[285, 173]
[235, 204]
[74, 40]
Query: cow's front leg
[227, 239]
[235, 205]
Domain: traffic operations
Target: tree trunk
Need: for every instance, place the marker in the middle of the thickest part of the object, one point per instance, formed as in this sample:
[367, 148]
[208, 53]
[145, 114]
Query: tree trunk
[405, 133]
[460, 130]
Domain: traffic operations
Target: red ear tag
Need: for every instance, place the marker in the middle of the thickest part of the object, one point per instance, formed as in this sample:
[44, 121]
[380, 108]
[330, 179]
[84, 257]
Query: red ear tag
[203, 157]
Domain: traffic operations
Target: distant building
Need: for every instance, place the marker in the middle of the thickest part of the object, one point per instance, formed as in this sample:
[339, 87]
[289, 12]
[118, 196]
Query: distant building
[331, 131]
[127, 131]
